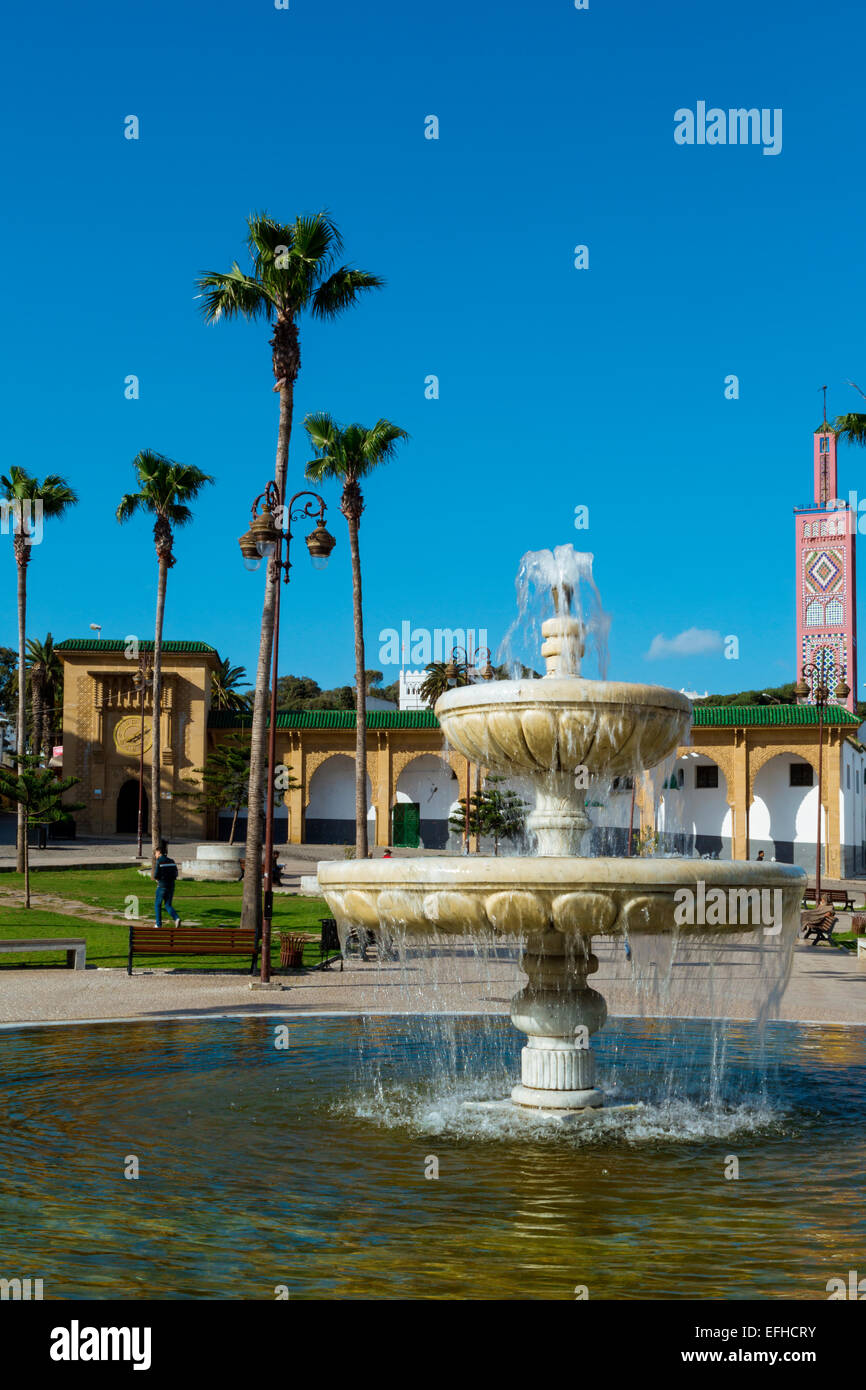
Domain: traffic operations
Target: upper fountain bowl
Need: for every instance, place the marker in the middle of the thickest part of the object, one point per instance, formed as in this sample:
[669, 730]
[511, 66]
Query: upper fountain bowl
[560, 723]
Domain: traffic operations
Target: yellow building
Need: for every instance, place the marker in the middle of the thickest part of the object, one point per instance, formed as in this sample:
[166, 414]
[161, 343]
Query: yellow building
[746, 782]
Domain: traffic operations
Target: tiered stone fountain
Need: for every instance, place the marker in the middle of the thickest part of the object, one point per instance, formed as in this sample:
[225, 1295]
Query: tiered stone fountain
[554, 732]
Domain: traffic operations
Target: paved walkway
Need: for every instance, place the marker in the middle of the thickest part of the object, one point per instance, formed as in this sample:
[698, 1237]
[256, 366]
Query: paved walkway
[827, 985]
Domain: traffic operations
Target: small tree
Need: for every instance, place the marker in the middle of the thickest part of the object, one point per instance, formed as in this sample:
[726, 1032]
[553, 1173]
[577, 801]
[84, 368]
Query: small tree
[493, 812]
[39, 793]
[224, 779]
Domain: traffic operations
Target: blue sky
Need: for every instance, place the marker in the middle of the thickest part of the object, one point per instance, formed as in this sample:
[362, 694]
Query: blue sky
[558, 387]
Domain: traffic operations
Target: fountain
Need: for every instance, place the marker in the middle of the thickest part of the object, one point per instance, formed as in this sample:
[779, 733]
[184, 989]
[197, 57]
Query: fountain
[557, 732]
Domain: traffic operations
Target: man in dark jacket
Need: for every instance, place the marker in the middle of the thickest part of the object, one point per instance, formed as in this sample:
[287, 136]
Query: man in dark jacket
[165, 872]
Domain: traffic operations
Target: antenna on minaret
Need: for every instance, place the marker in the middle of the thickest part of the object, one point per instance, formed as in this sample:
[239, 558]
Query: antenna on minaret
[824, 389]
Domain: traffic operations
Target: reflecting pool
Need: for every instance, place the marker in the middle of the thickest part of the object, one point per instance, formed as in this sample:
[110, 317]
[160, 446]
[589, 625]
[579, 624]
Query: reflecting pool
[308, 1158]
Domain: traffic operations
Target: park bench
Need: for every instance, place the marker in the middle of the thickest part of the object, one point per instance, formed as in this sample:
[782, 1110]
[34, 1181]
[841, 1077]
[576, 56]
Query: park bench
[819, 923]
[74, 946]
[839, 897]
[191, 941]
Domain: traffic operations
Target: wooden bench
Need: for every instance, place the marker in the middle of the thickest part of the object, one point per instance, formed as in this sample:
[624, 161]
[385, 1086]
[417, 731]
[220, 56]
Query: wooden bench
[74, 946]
[191, 941]
[819, 923]
[839, 897]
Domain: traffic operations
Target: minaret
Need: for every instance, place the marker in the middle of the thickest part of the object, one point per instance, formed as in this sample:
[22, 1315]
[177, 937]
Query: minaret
[825, 585]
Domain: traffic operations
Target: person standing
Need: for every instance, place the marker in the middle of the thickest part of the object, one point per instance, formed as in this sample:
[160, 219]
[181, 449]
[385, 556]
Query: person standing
[164, 871]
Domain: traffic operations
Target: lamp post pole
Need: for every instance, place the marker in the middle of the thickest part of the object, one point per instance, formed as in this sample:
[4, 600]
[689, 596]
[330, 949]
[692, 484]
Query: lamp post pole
[812, 682]
[265, 539]
[472, 665]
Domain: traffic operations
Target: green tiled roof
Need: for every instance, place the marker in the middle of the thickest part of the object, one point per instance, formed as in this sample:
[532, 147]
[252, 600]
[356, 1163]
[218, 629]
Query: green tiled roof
[331, 719]
[718, 716]
[118, 644]
[728, 715]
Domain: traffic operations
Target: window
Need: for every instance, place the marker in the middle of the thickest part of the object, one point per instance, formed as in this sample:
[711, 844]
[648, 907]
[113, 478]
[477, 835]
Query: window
[801, 775]
[622, 784]
[825, 444]
[706, 777]
[814, 614]
[856, 781]
[848, 778]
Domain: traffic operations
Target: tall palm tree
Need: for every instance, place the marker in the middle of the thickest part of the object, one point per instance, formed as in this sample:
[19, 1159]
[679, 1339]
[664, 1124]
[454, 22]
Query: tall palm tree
[46, 675]
[31, 502]
[350, 454]
[224, 682]
[292, 272]
[164, 489]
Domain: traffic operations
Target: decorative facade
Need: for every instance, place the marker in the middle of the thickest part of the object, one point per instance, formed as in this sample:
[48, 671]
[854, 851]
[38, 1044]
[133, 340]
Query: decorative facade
[825, 536]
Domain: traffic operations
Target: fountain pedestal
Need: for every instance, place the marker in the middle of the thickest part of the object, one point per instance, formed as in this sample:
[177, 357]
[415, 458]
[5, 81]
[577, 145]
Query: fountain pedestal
[558, 1012]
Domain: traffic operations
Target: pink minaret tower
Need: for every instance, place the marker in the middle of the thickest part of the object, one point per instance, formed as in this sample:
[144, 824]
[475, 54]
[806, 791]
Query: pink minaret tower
[826, 596]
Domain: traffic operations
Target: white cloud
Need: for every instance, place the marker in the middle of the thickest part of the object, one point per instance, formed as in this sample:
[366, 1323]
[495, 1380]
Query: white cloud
[692, 642]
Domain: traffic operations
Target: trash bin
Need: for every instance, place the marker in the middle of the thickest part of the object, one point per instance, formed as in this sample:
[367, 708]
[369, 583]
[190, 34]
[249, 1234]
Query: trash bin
[292, 951]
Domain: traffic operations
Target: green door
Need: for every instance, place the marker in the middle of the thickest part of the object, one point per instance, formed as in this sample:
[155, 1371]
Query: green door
[406, 825]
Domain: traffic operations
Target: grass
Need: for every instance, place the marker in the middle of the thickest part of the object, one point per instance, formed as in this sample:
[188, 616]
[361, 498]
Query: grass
[123, 889]
[848, 939]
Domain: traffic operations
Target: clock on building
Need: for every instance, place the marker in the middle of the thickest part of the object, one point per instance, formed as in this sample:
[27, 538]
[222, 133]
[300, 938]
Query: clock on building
[127, 734]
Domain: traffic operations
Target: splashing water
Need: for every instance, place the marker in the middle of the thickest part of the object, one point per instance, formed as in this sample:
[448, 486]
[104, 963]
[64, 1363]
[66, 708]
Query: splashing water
[554, 581]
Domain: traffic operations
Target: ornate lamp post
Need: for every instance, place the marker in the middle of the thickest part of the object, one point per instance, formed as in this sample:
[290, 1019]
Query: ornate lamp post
[472, 666]
[142, 679]
[812, 682]
[264, 540]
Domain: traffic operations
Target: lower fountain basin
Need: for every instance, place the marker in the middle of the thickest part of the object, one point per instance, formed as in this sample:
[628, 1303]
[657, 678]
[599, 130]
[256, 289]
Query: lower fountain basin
[570, 895]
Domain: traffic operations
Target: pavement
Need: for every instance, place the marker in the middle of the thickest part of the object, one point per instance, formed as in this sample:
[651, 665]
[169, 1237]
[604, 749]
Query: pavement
[827, 985]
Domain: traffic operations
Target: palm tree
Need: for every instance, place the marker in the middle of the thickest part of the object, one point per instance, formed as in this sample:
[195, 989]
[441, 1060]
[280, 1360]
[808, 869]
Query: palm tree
[436, 681]
[164, 489]
[350, 454]
[292, 272]
[30, 502]
[852, 427]
[46, 675]
[224, 682]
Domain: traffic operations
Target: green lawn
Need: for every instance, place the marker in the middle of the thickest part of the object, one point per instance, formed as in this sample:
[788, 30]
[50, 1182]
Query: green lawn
[206, 904]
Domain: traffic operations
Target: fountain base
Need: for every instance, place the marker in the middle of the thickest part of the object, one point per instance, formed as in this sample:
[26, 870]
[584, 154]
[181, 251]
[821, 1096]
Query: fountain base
[532, 1099]
[563, 1119]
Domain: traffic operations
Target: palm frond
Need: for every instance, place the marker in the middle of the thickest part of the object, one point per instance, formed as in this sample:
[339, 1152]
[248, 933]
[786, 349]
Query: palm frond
[233, 295]
[851, 428]
[341, 290]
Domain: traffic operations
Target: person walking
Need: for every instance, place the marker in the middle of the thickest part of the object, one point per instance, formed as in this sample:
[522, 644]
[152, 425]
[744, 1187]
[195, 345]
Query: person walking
[165, 872]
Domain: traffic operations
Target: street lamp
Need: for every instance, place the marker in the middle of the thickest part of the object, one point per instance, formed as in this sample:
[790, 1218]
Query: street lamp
[813, 682]
[458, 659]
[140, 681]
[264, 540]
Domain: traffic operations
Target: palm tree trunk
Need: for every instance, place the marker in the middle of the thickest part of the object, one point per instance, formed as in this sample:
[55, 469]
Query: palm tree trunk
[155, 747]
[234, 826]
[251, 905]
[22, 558]
[37, 689]
[361, 847]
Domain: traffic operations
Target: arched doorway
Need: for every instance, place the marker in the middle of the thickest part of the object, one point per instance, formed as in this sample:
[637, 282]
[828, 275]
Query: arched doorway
[127, 808]
[330, 814]
[783, 817]
[426, 794]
